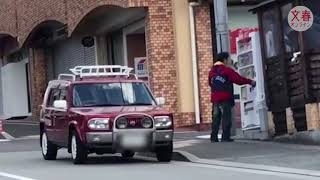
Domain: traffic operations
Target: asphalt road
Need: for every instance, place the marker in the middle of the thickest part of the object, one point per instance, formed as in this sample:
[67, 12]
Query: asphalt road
[22, 160]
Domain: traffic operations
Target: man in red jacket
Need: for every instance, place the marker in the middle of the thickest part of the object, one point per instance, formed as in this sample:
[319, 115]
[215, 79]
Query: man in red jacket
[221, 80]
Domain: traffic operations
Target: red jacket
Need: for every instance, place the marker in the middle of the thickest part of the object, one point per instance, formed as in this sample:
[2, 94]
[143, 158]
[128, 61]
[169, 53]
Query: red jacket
[232, 75]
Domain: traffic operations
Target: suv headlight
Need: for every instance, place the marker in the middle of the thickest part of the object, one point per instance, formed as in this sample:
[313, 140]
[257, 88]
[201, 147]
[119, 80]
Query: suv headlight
[147, 122]
[162, 122]
[122, 123]
[99, 124]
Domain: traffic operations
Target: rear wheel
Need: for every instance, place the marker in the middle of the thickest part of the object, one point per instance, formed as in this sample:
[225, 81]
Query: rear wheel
[164, 154]
[49, 150]
[79, 152]
[127, 154]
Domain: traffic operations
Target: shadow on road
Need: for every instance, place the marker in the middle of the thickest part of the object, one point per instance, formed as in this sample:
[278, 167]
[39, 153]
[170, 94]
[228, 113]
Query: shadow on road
[108, 160]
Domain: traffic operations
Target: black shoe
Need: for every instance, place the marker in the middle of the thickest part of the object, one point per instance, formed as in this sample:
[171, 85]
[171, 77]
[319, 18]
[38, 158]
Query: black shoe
[227, 140]
[214, 140]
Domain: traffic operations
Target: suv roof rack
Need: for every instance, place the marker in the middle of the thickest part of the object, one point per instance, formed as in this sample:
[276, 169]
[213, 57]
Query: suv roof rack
[67, 77]
[101, 71]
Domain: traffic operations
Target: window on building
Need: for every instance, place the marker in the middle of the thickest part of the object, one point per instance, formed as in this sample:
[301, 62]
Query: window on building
[290, 36]
[271, 30]
[310, 36]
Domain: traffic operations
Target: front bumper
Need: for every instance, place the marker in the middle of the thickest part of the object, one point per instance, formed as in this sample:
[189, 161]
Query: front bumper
[112, 141]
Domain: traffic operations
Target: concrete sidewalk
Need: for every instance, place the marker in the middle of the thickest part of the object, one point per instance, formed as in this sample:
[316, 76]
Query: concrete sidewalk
[250, 152]
[20, 128]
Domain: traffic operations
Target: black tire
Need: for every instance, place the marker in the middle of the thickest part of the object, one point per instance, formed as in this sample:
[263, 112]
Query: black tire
[79, 153]
[164, 154]
[49, 150]
[127, 154]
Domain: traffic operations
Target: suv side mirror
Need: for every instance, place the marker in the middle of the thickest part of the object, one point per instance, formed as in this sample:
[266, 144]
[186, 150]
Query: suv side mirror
[160, 101]
[60, 104]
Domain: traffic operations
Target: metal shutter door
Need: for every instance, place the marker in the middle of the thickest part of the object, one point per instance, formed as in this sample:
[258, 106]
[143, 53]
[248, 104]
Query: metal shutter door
[70, 53]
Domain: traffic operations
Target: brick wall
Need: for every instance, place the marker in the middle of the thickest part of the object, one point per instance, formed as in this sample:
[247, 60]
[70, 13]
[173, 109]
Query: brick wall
[161, 53]
[77, 10]
[159, 43]
[185, 119]
[31, 13]
[39, 82]
[205, 58]
[8, 18]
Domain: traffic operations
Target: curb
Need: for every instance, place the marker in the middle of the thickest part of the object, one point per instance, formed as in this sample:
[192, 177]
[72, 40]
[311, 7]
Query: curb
[188, 157]
[176, 156]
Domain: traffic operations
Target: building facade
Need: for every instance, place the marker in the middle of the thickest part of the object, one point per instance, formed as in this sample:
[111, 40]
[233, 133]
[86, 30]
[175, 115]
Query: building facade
[40, 39]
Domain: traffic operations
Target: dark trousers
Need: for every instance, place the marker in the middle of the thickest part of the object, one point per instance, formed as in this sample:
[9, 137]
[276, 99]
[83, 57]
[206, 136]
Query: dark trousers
[221, 111]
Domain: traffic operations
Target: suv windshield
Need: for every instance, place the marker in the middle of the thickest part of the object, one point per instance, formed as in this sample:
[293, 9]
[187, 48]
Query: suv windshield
[111, 94]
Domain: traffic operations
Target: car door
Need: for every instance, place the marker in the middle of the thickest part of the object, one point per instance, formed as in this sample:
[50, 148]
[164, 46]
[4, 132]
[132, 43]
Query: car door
[49, 117]
[60, 118]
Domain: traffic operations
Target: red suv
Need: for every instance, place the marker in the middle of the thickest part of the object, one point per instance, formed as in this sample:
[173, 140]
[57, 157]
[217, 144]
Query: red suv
[102, 109]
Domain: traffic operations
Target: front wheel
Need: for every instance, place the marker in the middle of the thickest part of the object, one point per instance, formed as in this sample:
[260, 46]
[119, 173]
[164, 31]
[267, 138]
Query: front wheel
[49, 150]
[79, 152]
[164, 154]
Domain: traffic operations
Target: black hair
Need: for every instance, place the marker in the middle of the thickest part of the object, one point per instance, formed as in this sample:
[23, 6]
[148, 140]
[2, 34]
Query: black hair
[223, 56]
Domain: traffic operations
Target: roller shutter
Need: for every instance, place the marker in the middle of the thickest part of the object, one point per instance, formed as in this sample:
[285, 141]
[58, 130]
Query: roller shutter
[70, 53]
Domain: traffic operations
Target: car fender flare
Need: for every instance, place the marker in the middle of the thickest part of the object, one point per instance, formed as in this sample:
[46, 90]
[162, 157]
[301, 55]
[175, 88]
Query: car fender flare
[76, 127]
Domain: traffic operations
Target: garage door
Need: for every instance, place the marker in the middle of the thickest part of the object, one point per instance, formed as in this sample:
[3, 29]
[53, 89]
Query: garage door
[70, 53]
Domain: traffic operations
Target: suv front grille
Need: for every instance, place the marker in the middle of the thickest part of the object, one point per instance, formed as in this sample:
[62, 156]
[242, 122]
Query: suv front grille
[133, 122]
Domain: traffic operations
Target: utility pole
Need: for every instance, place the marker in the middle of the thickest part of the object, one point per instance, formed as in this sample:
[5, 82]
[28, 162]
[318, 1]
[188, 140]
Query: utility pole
[221, 22]
[223, 37]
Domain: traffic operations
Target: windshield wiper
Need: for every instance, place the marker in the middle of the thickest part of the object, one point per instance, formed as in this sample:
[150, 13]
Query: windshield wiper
[101, 105]
[140, 104]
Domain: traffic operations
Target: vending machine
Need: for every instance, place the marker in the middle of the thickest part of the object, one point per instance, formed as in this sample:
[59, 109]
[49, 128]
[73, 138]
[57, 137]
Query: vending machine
[252, 100]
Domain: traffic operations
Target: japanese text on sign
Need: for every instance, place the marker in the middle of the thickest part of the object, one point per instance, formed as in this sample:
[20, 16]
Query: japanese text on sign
[300, 18]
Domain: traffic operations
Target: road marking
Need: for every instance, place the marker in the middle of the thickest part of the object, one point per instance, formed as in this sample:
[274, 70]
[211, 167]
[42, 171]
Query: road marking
[7, 136]
[183, 132]
[208, 136]
[28, 137]
[12, 176]
[181, 144]
[4, 140]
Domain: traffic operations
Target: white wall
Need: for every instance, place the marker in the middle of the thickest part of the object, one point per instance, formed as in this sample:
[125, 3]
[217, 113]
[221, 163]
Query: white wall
[239, 17]
[14, 90]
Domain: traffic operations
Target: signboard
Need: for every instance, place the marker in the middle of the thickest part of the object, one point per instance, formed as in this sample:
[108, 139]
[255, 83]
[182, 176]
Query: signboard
[141, 68]
[300, 18]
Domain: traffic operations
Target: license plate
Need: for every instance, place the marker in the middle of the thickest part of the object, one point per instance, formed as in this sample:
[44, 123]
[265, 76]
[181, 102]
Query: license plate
[134, 141]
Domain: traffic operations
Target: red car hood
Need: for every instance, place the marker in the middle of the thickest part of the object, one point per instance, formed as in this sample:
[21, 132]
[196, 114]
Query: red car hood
[117, 110]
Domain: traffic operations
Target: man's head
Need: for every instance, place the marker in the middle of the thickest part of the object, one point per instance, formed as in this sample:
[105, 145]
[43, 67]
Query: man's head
[224, 57]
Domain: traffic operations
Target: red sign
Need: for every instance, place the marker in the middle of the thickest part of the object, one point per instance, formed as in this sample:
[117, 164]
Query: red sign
[241, 33]
[300, 18]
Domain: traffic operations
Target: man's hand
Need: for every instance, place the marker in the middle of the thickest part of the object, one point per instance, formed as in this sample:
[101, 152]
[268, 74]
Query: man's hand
[253, 83]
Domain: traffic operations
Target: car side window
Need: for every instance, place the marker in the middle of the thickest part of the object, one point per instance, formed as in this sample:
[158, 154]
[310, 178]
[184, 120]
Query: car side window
[54, 95]
[63, 94]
